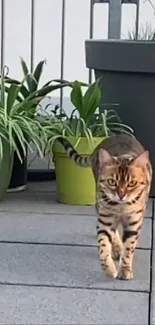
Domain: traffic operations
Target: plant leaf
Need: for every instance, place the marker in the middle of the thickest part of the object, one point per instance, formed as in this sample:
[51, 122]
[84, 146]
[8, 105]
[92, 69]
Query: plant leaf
[46, 90]
[12, 96]
[11, 81]
[20, 99]
[77, 97]
[31, 82]
[24, 67]
[91, 100]
[60, 81]
[28, 107]
[38, 71]
[24, 91]
[83, 84]
[2, 89]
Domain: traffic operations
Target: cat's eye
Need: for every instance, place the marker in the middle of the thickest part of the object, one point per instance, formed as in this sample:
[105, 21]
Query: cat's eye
[132, 183]
[111, 182]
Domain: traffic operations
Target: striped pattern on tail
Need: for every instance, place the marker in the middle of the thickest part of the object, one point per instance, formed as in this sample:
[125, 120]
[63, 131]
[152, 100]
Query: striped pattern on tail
[73, 154]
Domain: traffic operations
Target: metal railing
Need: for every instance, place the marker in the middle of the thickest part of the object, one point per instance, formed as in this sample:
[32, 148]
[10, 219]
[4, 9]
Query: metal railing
[114, 19]
[114, 28]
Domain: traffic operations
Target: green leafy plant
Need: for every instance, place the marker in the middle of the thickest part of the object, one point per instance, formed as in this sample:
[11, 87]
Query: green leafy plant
[86, 120]
[30, 85]
[15, 122]
[146, 33]
[86, 104]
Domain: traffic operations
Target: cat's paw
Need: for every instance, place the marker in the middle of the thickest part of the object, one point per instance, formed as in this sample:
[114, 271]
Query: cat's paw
[112, 275]
[110, 271]
[125, 274]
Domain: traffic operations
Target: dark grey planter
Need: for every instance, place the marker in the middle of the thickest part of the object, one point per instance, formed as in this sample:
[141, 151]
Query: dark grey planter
[128, 70]
[18, 181]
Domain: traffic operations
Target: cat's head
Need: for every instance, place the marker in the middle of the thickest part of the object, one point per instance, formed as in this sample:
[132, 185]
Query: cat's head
[121, 178]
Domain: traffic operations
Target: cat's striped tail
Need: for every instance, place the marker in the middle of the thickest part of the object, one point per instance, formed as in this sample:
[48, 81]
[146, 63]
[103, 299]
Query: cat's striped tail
[79, 160]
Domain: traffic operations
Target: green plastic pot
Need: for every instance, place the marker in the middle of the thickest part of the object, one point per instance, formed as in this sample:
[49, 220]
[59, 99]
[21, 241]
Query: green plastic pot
[75, 184]
[5, 170]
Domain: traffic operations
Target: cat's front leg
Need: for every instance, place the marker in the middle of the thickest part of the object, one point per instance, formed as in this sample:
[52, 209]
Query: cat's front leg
[105, 235]
[117, 246]
[131, 234]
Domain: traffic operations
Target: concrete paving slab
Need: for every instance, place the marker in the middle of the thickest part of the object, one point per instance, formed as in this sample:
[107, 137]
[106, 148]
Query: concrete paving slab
[153, 295]
[152, 318]
[55, 228]
[44, 186]
[36, 305]
[149, 210]
[45, 202]
[41, 202]
[66, 266]
[49, 186]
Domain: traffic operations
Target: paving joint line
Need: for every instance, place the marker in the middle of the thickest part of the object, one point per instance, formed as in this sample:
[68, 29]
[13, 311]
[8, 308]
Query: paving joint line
[55, 213]
[11, 242]
[51, 213]
[41, 285]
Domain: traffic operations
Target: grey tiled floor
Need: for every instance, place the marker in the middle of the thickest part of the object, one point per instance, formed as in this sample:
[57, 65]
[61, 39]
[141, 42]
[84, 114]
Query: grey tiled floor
[49, 267]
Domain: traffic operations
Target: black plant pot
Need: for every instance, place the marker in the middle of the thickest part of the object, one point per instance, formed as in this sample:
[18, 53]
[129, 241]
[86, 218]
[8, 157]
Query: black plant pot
[128, 70]
[18, 180]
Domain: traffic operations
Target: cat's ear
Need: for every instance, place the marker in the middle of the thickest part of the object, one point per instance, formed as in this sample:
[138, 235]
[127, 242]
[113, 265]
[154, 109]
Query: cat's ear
[104, 157]
[142, 159]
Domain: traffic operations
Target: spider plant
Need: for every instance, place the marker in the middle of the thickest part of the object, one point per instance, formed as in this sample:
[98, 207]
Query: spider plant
[16, 125]
[85, 120]
[146, 33]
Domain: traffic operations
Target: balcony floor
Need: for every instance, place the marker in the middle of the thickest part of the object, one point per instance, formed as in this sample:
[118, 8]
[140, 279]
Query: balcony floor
[50, 271]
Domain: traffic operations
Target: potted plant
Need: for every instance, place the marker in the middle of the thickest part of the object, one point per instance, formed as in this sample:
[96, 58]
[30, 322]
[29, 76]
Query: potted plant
[128, 70]
[16, 127]
[29, 89]
[146, 33]
[85, 128]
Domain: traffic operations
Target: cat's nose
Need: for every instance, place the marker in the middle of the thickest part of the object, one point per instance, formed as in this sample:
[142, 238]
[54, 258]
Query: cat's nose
[121, 194]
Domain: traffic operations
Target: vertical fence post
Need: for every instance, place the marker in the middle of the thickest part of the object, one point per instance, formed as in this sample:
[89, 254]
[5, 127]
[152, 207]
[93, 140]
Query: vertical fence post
[2, 33]
[91, 28]
[137, 18]
[115, 17]
[62, 49]
[32, 35]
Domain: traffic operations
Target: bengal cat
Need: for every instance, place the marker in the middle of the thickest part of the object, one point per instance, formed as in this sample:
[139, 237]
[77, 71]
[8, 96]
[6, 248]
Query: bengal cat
[123, 175]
